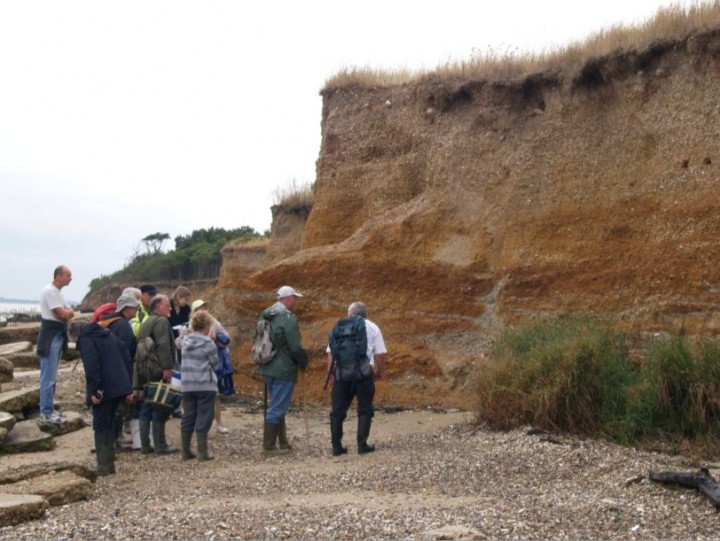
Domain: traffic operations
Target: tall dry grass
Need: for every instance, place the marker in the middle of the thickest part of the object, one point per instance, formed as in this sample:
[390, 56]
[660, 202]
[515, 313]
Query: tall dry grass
[668, 23]
[294, 194]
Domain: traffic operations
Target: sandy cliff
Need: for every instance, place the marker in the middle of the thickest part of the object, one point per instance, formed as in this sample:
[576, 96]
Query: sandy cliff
[454, 207]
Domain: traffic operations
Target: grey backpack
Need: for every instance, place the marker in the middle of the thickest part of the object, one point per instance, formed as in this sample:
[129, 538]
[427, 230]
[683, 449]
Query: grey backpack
[262, 348]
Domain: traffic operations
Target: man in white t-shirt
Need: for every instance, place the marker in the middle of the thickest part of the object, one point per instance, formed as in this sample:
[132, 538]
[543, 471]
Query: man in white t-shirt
[361, 386]
[52, 340]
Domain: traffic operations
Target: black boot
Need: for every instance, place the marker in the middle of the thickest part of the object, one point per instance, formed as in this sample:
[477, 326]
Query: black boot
[203, 453]
[110, 435]
[145, 437]
[270, 436]
[283, 442]
[104, 452]
[161, 446]
[186, 440]
[336, 436]
[364, 422]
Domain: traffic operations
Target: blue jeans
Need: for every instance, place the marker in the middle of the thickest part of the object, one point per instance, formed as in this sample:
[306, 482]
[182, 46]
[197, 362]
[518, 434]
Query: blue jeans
[48, 375]
[280, 392]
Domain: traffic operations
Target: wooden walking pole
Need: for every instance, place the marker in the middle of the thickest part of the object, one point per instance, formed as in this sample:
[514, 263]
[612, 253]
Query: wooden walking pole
[303, 393]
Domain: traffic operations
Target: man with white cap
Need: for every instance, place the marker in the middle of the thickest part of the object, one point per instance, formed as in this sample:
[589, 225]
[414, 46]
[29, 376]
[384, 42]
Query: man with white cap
[280, 373]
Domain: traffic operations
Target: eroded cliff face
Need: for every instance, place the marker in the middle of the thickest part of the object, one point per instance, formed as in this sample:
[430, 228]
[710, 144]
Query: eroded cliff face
[456, 207]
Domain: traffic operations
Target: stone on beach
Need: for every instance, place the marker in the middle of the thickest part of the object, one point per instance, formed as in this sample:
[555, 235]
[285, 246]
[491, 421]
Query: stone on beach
[20, 400]
[26, 437]
[17, 508]
[74, 421]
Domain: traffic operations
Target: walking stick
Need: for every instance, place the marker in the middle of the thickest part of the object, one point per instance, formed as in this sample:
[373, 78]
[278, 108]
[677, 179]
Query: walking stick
[265, 393]
[303, 390]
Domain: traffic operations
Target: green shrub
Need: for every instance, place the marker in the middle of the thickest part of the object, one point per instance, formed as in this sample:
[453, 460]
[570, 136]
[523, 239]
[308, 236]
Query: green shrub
[571, 375]
[679, 395]
[565, 374]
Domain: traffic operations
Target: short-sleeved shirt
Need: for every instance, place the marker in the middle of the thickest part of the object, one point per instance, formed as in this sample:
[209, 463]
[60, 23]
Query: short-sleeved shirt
[51, 298]
[376, 344]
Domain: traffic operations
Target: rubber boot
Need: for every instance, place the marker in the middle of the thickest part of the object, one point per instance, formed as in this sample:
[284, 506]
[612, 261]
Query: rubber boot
[105, 465]
[336, 436]
[203, 453]
[187, 454]
[283, 442]
[161, 446]
[145, 437]
[110, 435]
[363, 432]
[271, 433]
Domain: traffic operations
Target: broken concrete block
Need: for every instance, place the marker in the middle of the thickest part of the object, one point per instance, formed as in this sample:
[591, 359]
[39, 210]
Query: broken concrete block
[17, 508]
[26, 437]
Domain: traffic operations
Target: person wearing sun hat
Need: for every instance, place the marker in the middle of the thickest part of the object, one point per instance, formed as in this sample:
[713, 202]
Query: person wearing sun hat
[280, 374]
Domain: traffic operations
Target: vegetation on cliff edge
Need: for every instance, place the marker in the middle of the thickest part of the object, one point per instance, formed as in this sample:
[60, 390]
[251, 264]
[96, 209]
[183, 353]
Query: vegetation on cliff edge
[196, 257]
[669, 23]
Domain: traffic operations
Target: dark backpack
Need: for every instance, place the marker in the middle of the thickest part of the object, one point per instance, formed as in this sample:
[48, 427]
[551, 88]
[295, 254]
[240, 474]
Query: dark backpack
[262, 348]
[348, 345]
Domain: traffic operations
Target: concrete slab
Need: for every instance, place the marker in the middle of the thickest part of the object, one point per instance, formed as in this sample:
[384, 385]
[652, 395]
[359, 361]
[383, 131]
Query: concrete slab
[17, 508]
[58, 488]
[75, 421]
[20, 399]
[15, 347]
[7, 420]
[26, 437]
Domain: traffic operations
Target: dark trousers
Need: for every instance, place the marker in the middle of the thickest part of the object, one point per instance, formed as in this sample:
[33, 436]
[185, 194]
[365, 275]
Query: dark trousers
[198, 411]
[104, 414]
[344, 392]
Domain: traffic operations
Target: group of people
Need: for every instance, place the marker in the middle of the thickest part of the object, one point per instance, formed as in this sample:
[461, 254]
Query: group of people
[183, 334]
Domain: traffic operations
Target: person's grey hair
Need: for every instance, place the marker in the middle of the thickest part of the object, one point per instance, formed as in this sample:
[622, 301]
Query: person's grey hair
[75, 329]
[157, 299]
[358, 309]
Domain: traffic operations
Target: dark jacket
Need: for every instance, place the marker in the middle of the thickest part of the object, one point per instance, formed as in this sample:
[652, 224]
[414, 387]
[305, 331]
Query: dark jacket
[122, 328]
[158, 328]
[286, 339]
[105, 360]
[49, 328]
[180, 317]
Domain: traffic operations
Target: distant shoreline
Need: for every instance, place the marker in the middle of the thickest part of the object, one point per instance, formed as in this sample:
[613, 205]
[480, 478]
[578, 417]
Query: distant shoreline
[18, 301]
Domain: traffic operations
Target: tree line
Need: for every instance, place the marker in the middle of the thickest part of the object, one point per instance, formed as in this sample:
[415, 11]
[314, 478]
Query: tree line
[196, 257]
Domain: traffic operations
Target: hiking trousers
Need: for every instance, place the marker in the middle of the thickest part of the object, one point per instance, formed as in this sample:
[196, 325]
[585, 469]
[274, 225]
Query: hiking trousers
[198, 411]
[344, 392]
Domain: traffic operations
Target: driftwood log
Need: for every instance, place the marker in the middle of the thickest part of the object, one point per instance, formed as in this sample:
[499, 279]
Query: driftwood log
[702, 481]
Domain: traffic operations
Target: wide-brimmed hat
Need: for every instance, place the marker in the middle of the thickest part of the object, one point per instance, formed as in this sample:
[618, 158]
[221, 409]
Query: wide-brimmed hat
[127, 300]
[197, 304]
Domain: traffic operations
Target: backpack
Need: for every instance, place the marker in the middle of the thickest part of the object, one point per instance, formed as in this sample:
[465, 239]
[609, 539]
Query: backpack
[262, 348]
[348, 344]
[146, 360]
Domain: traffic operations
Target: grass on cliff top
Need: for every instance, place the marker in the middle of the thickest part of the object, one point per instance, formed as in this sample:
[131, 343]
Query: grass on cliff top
[668, 23]
[574, 375]
[294, 195]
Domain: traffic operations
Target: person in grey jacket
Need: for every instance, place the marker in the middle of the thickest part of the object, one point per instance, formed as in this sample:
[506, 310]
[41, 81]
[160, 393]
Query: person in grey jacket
[280, 374]
[199, 384]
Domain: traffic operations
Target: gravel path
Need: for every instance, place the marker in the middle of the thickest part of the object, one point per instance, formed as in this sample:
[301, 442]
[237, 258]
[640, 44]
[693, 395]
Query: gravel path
[434, 476]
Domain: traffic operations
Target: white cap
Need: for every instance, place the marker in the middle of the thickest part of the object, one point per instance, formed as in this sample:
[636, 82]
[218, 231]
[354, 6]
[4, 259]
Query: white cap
[287, 291]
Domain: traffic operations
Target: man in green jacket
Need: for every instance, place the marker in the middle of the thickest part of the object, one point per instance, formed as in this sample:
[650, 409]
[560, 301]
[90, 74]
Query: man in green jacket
[280, 374]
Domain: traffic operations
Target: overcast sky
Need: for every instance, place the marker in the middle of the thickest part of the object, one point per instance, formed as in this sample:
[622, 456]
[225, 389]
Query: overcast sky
[122, 119]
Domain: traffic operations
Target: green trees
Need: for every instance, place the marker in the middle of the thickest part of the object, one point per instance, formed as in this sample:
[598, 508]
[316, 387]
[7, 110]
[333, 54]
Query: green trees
[196, 257]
